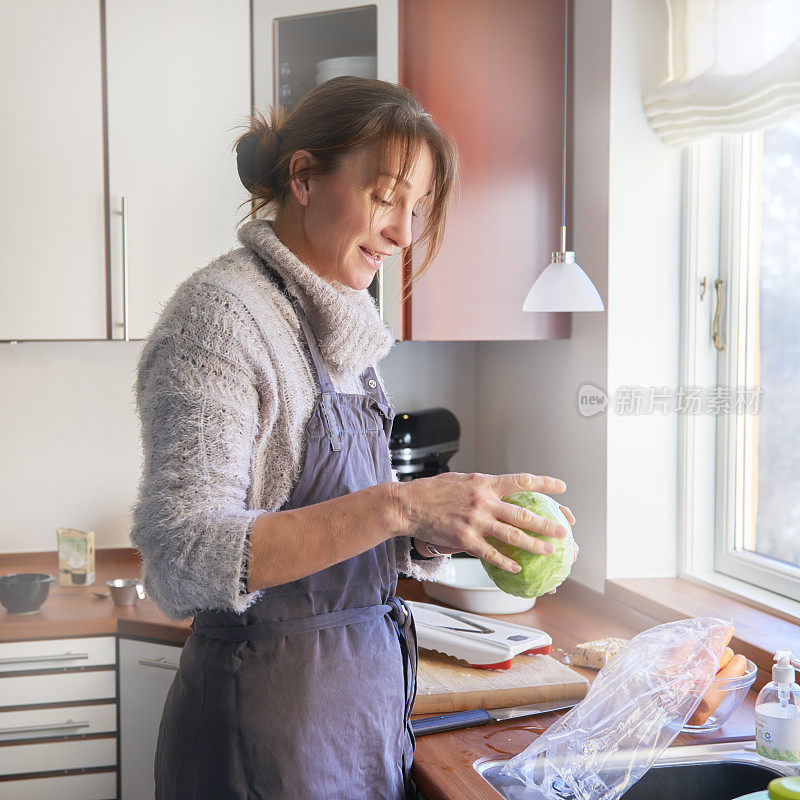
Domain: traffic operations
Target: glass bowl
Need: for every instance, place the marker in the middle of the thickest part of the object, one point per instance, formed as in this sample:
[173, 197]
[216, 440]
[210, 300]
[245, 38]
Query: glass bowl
[735, 690]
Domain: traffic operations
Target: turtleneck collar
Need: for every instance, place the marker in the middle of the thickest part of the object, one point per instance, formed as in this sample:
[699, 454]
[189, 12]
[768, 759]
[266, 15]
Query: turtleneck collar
[346, 322]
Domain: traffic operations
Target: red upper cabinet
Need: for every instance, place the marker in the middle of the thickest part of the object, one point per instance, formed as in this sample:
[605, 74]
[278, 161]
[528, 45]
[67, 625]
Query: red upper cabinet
[490, 71]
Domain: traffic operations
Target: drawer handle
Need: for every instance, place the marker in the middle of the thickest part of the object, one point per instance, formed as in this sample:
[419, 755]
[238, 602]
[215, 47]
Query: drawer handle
[44, 728]
[70, 656]
[161, 663]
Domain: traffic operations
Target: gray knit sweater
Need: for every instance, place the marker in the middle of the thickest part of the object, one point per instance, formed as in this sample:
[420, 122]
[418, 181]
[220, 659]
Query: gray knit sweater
[224, 390]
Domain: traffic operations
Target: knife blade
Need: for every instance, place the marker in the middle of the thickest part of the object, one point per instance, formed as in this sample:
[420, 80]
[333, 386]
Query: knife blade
[482, 716]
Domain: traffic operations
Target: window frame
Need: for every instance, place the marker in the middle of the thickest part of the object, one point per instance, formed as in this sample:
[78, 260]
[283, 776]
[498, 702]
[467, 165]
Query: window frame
[718, 455]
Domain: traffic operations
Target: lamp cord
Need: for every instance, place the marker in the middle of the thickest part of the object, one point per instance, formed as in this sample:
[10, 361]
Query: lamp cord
[564, 140]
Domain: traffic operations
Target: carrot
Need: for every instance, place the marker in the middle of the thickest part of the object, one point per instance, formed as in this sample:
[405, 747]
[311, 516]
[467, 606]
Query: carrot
[728, 636]
[725, 658]
[735, 668]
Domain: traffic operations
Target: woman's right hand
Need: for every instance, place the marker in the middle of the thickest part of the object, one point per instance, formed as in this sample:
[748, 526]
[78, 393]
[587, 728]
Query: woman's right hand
[458, 511]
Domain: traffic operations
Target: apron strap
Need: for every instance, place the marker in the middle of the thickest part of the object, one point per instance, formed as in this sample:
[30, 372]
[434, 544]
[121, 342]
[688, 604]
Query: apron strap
[396, 608]
[376, 392]
[324, 381]
[286, 627]
[323, 376]
[403, 621]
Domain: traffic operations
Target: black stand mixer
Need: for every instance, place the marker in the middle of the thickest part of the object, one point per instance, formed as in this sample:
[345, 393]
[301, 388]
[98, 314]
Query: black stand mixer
[422, 442]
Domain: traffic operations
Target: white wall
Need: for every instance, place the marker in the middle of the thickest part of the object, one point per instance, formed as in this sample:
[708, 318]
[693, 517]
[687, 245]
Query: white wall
[70, 442]
[69, 434]
[527, 391]
[425, 374]
[643, 300]
[621, 471]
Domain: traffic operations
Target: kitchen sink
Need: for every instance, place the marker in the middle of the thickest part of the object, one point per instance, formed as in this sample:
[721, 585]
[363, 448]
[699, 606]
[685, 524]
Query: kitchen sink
[694, 772]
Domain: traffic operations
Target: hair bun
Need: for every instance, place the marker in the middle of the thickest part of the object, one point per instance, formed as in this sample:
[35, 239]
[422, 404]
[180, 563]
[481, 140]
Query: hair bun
[256, 158]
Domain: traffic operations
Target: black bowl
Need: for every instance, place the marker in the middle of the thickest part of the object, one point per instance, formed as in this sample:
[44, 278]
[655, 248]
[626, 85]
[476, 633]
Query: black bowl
[24, 592]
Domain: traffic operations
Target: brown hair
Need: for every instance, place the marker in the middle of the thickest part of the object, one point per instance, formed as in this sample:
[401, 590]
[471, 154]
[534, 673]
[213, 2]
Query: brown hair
[335, 118]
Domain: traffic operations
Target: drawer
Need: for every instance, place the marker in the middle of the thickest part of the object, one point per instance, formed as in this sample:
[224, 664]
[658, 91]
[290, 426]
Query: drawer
[100, 786]
[43, 723]
[94, 651]
[16, 759]
[63, 687]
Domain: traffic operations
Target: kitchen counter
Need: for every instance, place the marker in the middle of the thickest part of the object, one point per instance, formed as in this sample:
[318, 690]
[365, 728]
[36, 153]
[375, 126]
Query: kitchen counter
[443, 762]
[75, 611]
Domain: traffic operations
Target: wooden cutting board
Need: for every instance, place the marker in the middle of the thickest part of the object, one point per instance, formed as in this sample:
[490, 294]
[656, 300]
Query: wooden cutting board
[447, 684]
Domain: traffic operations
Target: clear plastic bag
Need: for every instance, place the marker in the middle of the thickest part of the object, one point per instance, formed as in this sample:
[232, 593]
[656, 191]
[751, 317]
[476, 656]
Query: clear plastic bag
[634, 709]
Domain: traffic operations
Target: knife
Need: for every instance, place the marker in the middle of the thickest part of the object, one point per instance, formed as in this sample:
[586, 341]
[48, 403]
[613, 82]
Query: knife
[481, 716]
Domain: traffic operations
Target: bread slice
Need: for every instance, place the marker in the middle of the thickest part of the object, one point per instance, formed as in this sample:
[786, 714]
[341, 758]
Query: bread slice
[598, 653]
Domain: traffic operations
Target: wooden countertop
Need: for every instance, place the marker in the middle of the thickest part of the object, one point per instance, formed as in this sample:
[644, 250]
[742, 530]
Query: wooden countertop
[443, 762]
[75, 611]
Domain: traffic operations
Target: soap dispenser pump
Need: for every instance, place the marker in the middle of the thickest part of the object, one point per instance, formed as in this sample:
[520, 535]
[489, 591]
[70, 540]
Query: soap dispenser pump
[778, 713]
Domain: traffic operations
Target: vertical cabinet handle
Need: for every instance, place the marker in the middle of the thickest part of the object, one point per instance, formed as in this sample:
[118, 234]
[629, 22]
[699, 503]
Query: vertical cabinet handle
[715, 327]
[125, 329]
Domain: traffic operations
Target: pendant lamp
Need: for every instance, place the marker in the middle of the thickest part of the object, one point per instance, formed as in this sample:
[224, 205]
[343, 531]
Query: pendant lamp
[563, 285]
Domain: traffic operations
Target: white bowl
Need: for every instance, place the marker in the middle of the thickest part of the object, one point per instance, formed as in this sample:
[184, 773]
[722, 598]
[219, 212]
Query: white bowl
[360, 66]
[466, 585]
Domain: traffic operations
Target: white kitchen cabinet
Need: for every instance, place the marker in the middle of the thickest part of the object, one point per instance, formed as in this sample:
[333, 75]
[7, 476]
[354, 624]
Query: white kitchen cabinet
[178, 85]
[94, 786]
[52, 225]
[146, 671]
[91, 651]
[67, 687]
[67, 676]
[44, 723]
[52, 756]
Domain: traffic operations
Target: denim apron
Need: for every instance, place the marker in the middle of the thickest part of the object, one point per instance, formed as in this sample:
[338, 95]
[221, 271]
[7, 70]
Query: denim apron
[307, 694]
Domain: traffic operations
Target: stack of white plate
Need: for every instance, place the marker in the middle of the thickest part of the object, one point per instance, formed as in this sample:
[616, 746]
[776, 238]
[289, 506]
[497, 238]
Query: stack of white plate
[360, 66]
[466, 585]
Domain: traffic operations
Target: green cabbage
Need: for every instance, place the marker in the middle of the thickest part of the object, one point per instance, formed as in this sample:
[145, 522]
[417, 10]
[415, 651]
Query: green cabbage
[540, 573]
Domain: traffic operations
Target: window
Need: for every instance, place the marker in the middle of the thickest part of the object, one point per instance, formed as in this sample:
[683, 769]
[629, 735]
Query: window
[744, 208]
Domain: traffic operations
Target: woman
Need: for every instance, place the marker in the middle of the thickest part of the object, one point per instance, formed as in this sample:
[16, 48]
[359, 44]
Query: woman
[267, 508]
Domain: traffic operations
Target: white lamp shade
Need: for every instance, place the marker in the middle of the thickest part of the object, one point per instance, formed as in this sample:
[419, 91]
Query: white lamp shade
[563, 286]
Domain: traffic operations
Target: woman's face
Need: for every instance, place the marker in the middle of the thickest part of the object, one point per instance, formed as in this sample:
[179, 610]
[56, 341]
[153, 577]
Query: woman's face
[337, 240]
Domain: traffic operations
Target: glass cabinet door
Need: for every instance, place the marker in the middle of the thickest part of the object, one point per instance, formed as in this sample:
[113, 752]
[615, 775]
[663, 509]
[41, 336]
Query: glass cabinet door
[299, 44]
[311, 48]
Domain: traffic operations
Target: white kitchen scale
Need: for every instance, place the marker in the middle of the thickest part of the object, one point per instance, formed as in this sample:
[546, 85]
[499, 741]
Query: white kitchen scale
[482, 642]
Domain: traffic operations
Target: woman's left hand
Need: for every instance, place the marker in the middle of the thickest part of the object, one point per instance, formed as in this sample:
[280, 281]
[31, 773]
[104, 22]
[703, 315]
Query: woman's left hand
[421, 547]
[571, 519]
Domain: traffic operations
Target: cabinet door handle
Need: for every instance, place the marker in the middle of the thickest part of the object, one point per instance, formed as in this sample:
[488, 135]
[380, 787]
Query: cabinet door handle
[41, 659]
[161, 663]
[44, 728]
[125, 330]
